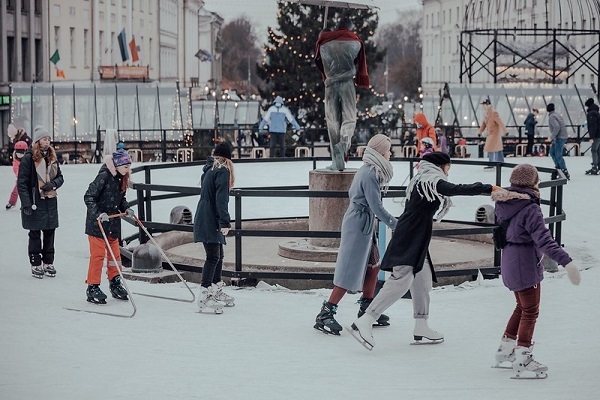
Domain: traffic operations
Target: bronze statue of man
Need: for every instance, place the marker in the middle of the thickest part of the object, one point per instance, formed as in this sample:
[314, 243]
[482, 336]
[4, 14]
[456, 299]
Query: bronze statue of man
[340, 56]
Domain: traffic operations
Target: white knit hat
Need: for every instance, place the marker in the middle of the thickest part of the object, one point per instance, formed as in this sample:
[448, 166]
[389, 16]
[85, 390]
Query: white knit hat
[380, 143]
[12, 131]
[40, 132]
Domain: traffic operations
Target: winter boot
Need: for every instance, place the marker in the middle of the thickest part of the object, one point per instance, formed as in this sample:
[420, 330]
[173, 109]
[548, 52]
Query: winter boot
[49, 270]
[95, 295]
[9, 206]
[524, 362]
[506, 352]
[566, 174]
[116, 288]
[362, 331]
[383, 319]
[554, 174]
[207, 302]
[37, 271]
[221, 296]
[422, 330]
[325, 321]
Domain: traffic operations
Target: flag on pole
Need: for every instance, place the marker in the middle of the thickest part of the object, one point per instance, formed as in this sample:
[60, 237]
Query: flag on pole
[134, 50]
[123, 45]
[204, 55]
[55, 58]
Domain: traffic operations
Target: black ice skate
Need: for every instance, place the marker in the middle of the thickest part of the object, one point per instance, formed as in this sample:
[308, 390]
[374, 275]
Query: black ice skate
[95, 295]
[49, 270]
[37, 271]
[117, 290]
[593, 171]
[325, 321]
[383, 320]
[566, 174]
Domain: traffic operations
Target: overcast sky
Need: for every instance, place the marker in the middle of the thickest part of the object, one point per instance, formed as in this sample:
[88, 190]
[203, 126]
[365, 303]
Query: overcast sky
[263, 12]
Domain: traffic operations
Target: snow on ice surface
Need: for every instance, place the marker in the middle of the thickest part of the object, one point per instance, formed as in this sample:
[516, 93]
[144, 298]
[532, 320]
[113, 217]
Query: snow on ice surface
[265, 346]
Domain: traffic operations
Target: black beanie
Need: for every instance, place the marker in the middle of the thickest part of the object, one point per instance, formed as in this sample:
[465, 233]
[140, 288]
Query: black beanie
[223, 150]
[438, 158]
[550, 107]
[589, 102]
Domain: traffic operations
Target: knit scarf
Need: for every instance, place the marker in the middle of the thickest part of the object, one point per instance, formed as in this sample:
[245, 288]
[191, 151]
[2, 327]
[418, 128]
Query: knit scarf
[383, 168]
[426, 181]
[46, 171]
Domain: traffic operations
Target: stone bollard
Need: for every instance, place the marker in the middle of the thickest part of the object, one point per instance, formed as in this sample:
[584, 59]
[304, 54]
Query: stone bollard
[146, 258]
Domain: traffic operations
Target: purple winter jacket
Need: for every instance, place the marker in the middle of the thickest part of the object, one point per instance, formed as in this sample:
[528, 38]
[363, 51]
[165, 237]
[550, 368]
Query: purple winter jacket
[528, 238]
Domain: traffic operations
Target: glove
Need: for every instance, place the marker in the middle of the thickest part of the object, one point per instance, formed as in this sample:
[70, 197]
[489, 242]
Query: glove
[225, 231]
[130, 212]
[103, 217]
[573, 273]
[27, 210]
[48, 186]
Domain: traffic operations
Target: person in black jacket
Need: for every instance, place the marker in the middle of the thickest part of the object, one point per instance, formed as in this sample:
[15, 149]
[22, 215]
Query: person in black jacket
[593, 125]
[212, 224]
[39, 178]
[104, 197]
[407, 255]
[530, 123]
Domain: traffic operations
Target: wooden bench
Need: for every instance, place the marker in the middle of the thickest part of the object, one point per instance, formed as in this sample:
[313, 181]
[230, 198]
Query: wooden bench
[302, 151]
[136, 155]
[184, 155]
[409, 151]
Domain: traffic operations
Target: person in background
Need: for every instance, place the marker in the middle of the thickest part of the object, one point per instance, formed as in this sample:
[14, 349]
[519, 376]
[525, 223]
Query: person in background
[593, 124]
[558, 137]
[212, 224]
[427, 146]
[20, 141]
[38, 180]
[442, 140]
[277, 117]
[407, 254]
[424, 130]
[104, 197]
[528, 242]
[495, 129]
[354, 271]
[530, 123]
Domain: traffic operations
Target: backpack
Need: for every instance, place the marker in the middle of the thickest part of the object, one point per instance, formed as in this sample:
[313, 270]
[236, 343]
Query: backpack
[499, 234]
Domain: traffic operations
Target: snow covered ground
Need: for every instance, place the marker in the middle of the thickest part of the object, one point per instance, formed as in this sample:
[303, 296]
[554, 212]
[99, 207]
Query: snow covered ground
[265, 347]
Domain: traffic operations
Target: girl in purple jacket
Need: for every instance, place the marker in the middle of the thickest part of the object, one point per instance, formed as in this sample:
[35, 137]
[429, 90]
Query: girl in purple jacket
[528, 241]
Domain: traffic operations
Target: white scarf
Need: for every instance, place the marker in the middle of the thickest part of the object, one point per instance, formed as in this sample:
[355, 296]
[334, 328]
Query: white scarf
[383, 168]
[426, 181]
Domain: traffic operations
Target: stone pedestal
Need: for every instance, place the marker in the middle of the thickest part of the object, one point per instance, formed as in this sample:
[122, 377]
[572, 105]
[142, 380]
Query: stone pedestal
[326, 213]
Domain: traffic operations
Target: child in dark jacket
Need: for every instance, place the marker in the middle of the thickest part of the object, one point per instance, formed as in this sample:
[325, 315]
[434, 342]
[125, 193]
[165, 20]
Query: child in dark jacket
[106, 196]
[528, 241]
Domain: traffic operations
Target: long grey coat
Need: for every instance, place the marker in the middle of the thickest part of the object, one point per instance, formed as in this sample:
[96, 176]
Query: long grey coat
[357, 229]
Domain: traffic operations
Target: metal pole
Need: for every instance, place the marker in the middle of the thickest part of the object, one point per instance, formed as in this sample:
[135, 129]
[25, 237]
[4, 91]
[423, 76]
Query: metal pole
[137, 102]
[238, 226]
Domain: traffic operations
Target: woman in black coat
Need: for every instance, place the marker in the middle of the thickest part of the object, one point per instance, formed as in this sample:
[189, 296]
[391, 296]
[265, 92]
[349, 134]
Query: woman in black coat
[212, 224]
[39, 178]
[407, 254]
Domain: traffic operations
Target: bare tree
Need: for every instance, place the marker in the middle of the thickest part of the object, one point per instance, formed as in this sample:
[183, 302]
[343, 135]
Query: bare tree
[241, 52]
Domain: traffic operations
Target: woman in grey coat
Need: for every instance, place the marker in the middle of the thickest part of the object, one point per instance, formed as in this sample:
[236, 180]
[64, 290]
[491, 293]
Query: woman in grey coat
[353, 269]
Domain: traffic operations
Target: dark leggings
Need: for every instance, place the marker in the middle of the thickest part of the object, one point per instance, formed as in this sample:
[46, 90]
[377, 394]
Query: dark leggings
[211, 272]
[41, 250]
[522, 322]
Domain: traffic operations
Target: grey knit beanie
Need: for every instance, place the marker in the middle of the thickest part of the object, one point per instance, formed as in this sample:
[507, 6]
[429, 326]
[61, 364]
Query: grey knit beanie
[524, 175]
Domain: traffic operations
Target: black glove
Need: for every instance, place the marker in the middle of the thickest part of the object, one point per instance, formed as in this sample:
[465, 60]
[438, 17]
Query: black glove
[27, 210]
[48, 186]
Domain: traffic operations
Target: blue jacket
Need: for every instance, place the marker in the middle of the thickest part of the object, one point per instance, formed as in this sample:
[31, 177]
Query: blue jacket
[277, 117]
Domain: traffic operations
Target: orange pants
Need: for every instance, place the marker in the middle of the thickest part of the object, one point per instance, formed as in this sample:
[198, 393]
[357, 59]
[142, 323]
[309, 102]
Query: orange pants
[98, 253]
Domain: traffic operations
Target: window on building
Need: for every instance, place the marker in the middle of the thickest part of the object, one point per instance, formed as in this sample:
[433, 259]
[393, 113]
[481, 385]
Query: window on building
[72, 44]
[37, 7]
[10, 5]
[113, 18]
[56, 39]
[101, 46]
[72, 11]
[24, 7]
[25, 62]
[150, 52]
[101, 15]
[113, 54]
[86, 38]
[56, 10]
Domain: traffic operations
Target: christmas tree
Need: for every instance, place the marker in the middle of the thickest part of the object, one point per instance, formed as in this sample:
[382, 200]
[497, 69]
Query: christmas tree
[289, 69]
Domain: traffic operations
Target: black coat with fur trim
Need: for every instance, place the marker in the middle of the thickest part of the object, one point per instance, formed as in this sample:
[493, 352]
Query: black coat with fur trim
[45, 215]
[104, 196]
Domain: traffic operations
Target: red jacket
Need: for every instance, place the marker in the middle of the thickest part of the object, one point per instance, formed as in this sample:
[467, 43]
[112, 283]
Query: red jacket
[362, 76]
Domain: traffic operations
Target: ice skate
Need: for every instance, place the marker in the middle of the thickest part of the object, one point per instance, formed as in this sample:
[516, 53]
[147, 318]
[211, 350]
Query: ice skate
[383, 319]
[362, 331]
[325, 321]
[9, 206]
[117, 290]
[95, 294]
[526, 367]
[593, 171]
[505, 356]
[422, 330]
[207, 302]
[221, 296]
[49, 270]
[564, 171]
[37, 271]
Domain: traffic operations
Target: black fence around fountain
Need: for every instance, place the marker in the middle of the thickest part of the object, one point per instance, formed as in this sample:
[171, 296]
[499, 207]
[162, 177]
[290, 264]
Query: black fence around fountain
[146, 196]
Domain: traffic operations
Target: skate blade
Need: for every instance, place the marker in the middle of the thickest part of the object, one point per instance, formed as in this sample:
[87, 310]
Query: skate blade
[501, 366]
[49, 275]
[99, 302]
[381, 325]
[538, 375]
[356, 335]
[426, 342]
[325, 331]
[38, 276]
[210, 311]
